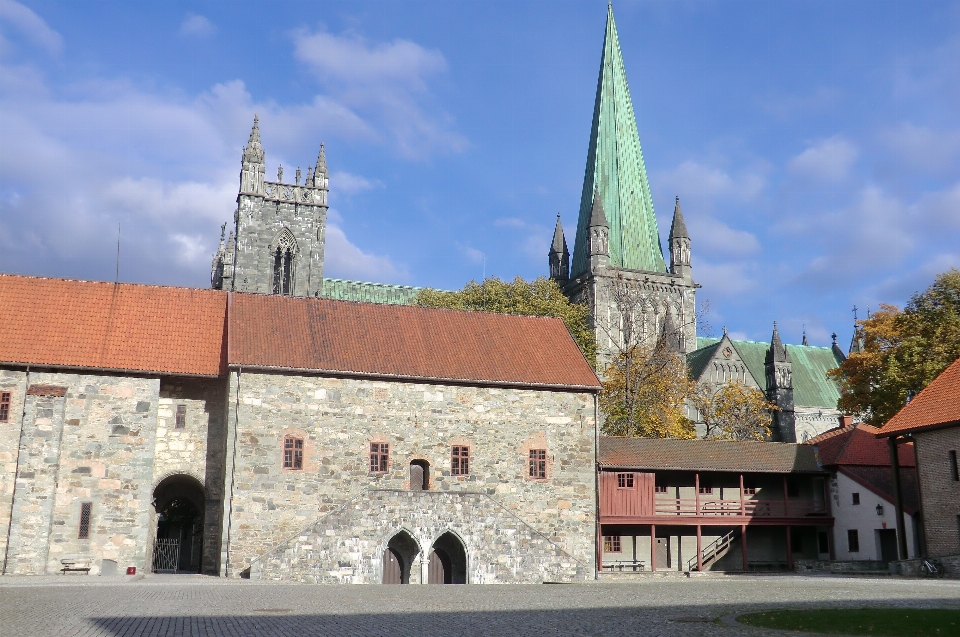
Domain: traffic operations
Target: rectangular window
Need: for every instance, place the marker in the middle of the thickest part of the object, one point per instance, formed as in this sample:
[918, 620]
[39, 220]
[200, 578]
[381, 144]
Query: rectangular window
[460, 461]
[85, 509]
[292, 453]
[823, 542]
[611, 543]
[793, 489]
[853, 541]
[181, 416]
[660, 488]
[706, 490]
[5, 409]
[538, 463]
[379, 455]
[856, 498]
[625, 480]
[954, 469]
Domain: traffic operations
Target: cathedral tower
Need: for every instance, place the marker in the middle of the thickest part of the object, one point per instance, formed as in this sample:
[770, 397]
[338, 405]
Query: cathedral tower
[618, 268]
[779, 377]
[276, 243]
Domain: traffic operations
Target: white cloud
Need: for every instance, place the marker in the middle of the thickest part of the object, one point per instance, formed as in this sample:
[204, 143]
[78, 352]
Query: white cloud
[923, 148]
[715, 238]
[388, 84]
[197, 26]
[350, 184]
[472, 254]
[709, 184]
[827, 160]
[725, 279]
[32, 26]
[344, 260]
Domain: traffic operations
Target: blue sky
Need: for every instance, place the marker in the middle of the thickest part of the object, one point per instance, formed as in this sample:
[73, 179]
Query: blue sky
[815, 146]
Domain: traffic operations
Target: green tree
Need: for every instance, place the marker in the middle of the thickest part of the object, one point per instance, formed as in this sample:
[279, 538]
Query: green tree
[733, 412]
[902, 351]
[540, 297]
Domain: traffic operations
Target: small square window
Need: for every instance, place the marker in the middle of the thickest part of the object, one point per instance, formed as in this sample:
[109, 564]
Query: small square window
[538, 463]
[611, 544]
[660, 488]
[853, 541]
[86, 508]
[379, 456]
[625, 480]
[181, 417]
[4, 406]
[460, 460]
[749, 489]
[705, 490]
[856, 498]
[292, 453]
[952, 457]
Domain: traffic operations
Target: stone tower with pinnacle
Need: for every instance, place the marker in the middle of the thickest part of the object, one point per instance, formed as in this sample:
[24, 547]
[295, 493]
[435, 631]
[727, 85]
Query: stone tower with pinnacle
[276, 243]
[618, 268]
[779, 377]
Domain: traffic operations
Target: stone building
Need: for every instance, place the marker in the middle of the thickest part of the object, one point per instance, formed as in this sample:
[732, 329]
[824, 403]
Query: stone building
[932, 422]
[290, 438]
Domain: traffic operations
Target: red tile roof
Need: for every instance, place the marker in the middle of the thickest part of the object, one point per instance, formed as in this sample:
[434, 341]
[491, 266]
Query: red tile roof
[938, 405]
[117, 326]
[858, 445]
[399, 341]
[707, 455]
[879, 480]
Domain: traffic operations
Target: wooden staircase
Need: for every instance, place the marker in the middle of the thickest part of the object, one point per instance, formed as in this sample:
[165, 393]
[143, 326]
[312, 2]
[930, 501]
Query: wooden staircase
[714, 551]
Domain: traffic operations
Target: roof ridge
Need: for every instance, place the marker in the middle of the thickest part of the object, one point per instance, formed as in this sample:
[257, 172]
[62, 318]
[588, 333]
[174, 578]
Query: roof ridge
[124, 283]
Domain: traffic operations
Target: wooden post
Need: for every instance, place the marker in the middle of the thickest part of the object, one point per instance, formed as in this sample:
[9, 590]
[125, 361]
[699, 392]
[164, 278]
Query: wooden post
[696, 490]
[830, 543]
[789, 550]
[653, 547]
[743, 505]
[743, 546]
[699, 551]
[786, 499]
[898, 498]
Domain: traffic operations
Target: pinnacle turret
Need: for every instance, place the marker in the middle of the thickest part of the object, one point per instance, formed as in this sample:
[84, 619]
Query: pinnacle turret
[321, 161]
[559, 256]
[598, 218]
[778, 351]
[678, 229]
[253, 151]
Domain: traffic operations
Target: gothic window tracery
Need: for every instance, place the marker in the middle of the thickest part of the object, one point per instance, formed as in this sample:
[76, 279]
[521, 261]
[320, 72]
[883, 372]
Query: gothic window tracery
[284, 256]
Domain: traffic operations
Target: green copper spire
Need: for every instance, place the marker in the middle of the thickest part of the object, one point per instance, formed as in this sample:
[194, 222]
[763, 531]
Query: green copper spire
[615, 169]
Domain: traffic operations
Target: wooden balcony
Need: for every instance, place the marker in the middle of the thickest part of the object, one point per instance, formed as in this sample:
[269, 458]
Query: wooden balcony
[751, 508]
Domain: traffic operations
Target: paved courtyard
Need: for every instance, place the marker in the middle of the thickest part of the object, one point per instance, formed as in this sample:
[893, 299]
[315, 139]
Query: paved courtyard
[195, 605]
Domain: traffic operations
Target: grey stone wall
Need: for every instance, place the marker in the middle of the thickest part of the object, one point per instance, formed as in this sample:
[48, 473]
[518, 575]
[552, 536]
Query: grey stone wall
[338, 418]
[939, 492]
[13, 381]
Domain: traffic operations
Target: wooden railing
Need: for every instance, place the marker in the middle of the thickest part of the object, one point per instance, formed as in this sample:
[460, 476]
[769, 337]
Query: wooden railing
[754, 508]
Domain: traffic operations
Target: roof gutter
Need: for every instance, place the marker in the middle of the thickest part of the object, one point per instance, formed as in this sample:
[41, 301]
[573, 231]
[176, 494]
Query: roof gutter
[896, 433]
[612, 467]
[115, 370]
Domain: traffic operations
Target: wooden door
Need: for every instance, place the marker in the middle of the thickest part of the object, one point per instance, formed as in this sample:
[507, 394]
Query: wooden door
[416, 476]
[663, 553]
[392, 568]
[438, 571]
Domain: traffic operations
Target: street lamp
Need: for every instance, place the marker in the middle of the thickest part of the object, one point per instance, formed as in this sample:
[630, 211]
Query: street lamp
[879, 509]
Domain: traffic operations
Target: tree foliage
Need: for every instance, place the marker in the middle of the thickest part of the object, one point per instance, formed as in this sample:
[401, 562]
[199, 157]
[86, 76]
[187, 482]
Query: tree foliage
[644, 392]
[540, 297]
[902, 351]
[733, 412]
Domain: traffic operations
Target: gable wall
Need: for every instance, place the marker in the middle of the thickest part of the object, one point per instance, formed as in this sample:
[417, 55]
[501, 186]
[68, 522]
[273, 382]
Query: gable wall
[939, 492]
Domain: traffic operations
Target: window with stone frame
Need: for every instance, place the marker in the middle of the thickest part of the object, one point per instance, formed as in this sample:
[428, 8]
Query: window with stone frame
[4, 406]
[292, 453]
[459, 460]
[538, 463]
[611, 544]
[181, 421]
[379, 457]
[86, 508]
[624, 480]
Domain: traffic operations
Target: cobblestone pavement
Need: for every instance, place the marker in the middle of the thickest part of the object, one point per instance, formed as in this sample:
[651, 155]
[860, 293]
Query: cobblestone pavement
[195, 606]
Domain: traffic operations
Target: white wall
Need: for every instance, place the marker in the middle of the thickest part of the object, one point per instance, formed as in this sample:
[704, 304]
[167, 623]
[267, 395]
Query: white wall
[864, 518]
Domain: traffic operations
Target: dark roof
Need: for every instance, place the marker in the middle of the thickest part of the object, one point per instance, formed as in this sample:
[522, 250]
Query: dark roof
[880, 481]
[118, 326]
[859, 445]
[707, 455]
[398, 341]
[937, 405]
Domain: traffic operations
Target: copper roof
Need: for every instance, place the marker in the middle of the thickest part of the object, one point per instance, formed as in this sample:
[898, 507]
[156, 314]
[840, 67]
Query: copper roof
[938, 405]
[859, 445]
[707, 455]
[117, 326]
[404, 342]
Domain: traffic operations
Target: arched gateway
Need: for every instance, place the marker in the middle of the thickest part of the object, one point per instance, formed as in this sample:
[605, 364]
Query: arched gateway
[399, 555]
[179, 502]
[448, 561]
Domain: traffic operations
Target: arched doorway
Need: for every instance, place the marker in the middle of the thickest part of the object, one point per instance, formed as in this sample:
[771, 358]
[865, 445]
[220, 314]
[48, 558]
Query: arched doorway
[448, 561]
[400, 553]
[179, 502]
[419, 475]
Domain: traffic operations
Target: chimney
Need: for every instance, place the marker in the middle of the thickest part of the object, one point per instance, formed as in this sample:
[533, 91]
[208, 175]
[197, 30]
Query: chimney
[846, 421]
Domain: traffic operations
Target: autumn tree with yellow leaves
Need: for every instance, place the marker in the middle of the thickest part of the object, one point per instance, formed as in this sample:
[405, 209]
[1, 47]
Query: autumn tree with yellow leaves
[733, 412]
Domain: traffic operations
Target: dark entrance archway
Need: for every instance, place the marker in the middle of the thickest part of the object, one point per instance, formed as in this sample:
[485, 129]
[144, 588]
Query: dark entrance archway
[448, 561]
[178, 548]
[419, 475]
[400, 553]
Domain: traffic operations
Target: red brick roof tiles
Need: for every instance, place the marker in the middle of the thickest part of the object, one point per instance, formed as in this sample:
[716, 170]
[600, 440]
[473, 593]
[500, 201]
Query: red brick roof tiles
[404, 342]
[936, 406]
[707, 455]
[859, 445]
[117, 326]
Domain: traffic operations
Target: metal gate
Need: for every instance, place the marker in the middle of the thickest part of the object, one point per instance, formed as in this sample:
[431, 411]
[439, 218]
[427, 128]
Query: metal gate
[166, 555]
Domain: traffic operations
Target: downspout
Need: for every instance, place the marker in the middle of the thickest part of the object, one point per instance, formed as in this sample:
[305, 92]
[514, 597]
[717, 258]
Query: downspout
[596, 486]
[16, 472]
[233, 470]
[898, 496]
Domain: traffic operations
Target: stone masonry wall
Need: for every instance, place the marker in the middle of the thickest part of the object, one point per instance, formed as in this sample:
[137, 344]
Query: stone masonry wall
[939, 492]
[13, 381]
[95, 444]
[339, 418]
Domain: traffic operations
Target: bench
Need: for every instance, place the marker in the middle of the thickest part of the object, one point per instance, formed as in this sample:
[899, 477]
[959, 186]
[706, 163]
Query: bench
[75, 566]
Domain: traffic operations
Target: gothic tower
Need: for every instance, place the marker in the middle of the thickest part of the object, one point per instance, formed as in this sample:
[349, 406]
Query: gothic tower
[559, 256]
[779, 377]
[276, 244]
[618, 268]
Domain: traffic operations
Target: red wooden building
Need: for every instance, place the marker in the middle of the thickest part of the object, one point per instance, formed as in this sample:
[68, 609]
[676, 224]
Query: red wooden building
[710, 505]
